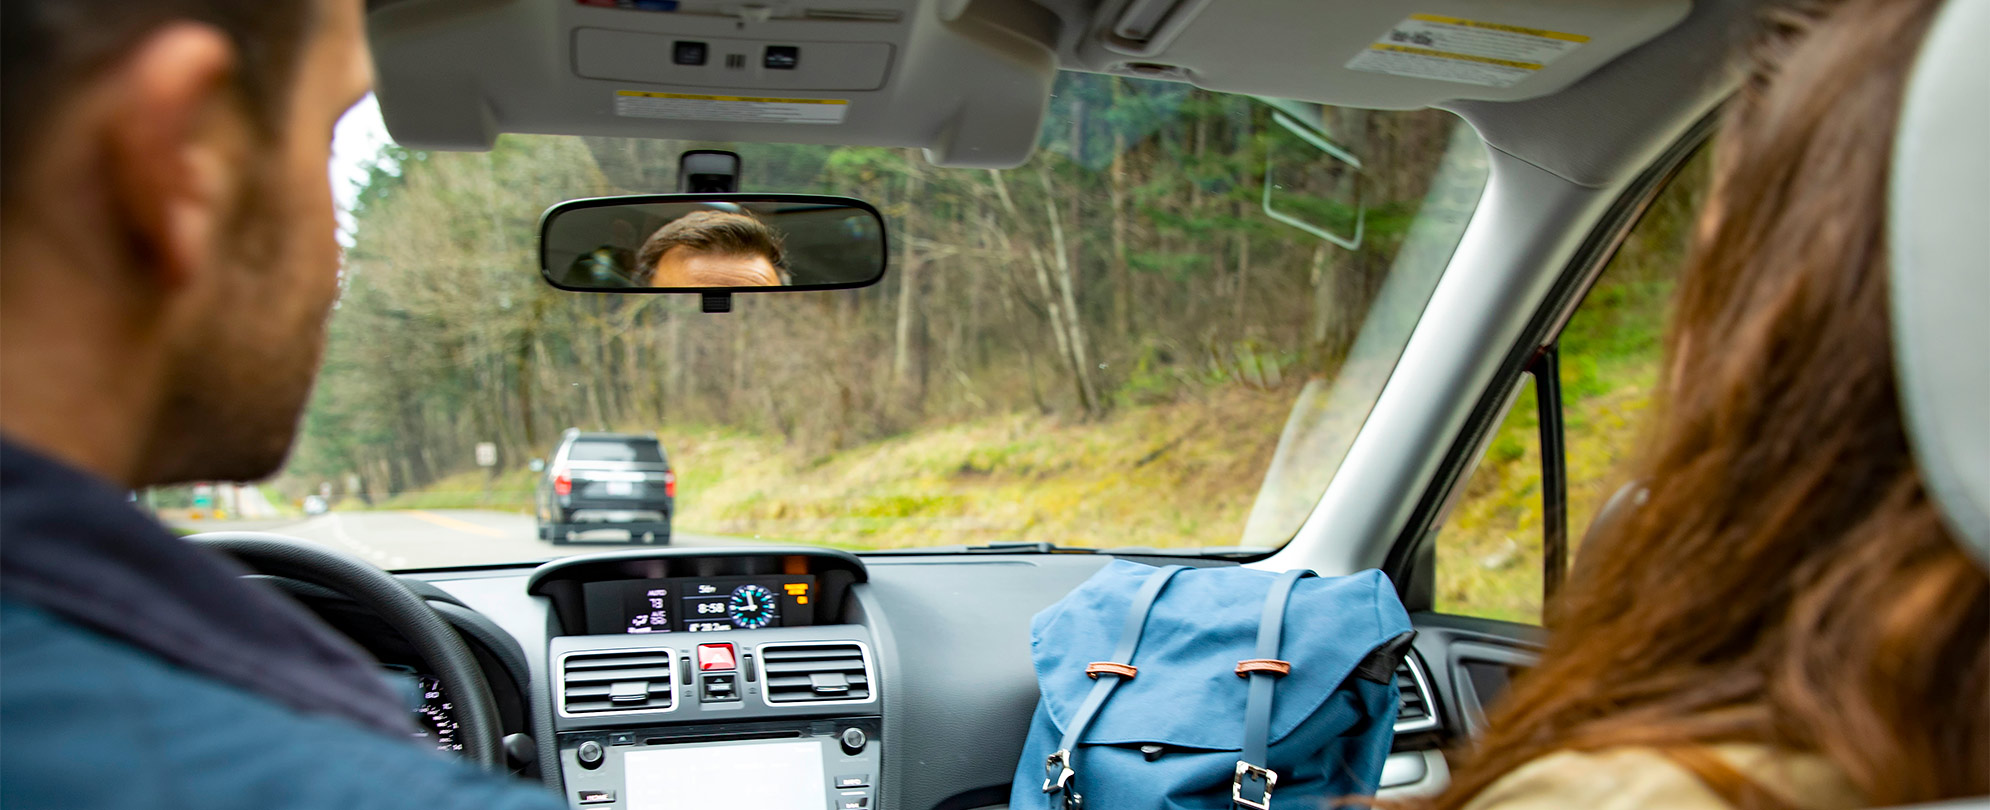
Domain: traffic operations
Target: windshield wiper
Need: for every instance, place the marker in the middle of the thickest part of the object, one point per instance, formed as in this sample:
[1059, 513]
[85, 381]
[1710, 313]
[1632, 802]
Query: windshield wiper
[1029, 547]
[1044, 547]
[1005, 547]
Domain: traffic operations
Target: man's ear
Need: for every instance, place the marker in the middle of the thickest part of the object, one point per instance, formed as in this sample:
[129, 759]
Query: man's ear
[173, 149]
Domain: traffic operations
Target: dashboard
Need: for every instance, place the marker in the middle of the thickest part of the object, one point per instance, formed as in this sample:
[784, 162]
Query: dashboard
[811, 678]
[694, 605]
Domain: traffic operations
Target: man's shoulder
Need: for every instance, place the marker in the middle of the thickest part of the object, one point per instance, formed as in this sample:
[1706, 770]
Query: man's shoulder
[93, 723]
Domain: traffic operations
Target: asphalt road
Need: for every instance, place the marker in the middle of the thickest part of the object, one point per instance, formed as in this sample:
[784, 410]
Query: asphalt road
[442, 537]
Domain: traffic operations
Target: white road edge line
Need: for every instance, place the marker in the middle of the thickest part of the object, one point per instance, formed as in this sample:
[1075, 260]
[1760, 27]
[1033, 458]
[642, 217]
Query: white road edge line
[339, 532]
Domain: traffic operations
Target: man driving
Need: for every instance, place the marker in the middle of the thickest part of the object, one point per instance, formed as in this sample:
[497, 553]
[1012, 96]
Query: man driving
[167, 264]
[713, 249]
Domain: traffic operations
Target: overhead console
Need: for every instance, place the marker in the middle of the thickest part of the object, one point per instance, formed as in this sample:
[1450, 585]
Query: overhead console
[970, 87]
[686, 677]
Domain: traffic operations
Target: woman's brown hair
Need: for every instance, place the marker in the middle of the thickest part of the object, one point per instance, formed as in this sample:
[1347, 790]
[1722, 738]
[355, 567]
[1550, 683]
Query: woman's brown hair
[1787, 581]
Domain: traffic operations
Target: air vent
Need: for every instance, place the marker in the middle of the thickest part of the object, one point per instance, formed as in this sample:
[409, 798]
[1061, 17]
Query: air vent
[1414, 710]
[816, 673]
[620, 681]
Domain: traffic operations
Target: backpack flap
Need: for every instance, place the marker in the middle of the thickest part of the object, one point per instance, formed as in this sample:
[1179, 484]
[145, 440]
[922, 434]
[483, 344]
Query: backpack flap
[1187, 693]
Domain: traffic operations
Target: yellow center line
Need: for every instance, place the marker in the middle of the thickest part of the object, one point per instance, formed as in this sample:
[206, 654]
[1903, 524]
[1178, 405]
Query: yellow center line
[448, 522]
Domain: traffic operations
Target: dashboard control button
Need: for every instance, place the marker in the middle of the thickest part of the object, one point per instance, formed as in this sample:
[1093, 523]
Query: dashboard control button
[688, 53]
[781, 57]
[853, 740]
[719, 687]
[853, 800]
[596, 797]
[716, 657]
[589, 754]
[622, 738]
[856, 781]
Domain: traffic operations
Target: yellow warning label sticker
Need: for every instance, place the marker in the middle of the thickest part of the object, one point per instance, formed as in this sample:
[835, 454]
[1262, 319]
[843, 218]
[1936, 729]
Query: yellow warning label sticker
[1484, 60]
[1431, 46]
[755, 109]
[1511, 29]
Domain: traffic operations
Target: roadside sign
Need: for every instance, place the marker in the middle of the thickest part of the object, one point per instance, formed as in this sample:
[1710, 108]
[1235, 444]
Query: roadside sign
[486, 454]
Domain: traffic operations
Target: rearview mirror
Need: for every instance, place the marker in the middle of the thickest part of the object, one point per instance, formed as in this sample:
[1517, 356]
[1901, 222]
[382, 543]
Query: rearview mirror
[712, 243]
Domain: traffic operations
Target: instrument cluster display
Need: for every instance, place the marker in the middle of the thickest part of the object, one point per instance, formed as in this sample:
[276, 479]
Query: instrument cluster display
[698, 605]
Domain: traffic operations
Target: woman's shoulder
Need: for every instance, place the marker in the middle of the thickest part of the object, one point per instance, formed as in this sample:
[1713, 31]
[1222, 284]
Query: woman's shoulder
[1641, 777]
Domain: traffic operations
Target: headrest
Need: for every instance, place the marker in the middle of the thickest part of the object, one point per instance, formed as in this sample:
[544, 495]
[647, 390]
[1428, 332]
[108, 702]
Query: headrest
[1940, 251]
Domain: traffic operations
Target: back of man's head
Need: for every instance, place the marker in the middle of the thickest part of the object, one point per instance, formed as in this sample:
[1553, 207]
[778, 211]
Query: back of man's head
[48, 47]
[167, 248]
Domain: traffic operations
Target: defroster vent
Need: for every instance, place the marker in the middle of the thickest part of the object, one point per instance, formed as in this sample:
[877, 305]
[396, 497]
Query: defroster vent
[816, 673]
[616, 681]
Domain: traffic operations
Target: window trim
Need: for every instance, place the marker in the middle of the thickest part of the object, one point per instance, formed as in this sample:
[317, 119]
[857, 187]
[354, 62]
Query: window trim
[1547, 371]
[1410, 561]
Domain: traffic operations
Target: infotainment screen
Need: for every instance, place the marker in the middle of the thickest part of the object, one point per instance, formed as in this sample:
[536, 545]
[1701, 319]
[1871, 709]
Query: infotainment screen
[773, 775]
[694, 605]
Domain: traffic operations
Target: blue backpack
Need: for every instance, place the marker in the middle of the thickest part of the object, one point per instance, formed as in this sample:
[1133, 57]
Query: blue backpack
[1210, 688]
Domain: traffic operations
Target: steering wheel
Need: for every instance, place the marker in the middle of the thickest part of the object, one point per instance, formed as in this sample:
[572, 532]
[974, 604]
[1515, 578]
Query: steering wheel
[448, 657]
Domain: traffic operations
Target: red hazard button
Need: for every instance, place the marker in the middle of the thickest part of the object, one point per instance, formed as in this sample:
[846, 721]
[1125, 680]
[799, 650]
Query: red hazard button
[715, 657]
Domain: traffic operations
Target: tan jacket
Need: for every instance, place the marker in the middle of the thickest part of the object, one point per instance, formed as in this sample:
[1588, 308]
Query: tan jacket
[1631, 777]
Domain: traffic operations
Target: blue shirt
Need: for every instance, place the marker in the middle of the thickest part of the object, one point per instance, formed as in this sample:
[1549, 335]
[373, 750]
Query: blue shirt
[139, 672]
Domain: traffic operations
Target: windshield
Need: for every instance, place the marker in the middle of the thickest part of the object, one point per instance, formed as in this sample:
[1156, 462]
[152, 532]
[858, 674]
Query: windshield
[1160, 332]
[635, 450]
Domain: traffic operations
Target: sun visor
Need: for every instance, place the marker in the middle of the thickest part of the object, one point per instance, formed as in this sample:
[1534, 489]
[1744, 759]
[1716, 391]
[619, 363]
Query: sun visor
[1362, 53]
[968, 86]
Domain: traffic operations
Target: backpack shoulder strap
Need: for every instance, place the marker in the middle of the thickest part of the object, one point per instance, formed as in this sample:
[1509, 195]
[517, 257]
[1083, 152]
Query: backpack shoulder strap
[1061, 768]
[1251, 787]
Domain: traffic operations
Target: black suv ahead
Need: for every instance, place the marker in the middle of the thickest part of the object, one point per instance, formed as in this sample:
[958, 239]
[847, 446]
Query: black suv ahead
[607, 481]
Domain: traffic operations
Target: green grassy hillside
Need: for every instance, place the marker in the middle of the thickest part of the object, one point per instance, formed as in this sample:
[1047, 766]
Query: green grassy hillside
[1173, 475]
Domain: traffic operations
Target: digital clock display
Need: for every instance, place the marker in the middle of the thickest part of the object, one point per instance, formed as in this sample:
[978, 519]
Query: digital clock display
[699, 605]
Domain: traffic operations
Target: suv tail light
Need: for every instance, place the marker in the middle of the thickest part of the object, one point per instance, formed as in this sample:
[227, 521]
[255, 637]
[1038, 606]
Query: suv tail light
[563, 484]
[669, 484]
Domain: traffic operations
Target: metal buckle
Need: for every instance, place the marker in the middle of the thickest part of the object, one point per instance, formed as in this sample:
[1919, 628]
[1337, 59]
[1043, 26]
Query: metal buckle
[1061, 780]
[1237, 785]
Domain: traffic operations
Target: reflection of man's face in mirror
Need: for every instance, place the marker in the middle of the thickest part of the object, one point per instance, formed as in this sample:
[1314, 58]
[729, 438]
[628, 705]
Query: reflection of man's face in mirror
[713, 249]
[685, 267]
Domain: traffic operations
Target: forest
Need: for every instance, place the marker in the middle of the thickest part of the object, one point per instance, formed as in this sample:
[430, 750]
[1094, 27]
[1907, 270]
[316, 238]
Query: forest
[1101, 347]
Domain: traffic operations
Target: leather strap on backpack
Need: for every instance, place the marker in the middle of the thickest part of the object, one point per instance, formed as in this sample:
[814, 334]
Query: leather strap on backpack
[1060, 770]
[1251, 787]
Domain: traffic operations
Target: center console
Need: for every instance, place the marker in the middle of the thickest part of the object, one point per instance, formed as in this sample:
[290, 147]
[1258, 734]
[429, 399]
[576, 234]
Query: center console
[694, 678]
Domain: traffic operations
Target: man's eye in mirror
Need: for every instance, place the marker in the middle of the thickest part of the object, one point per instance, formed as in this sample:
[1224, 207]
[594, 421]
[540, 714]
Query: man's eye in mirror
[712, 242]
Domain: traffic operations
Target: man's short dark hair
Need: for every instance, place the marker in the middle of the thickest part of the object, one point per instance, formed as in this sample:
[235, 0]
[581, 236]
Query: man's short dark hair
[49, 47]
[718, 232]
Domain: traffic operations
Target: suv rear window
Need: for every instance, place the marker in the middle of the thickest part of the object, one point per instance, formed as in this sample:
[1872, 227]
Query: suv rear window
[637, 450]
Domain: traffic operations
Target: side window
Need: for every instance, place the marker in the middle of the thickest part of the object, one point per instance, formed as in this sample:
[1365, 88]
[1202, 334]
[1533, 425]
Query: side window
[1491, 558]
